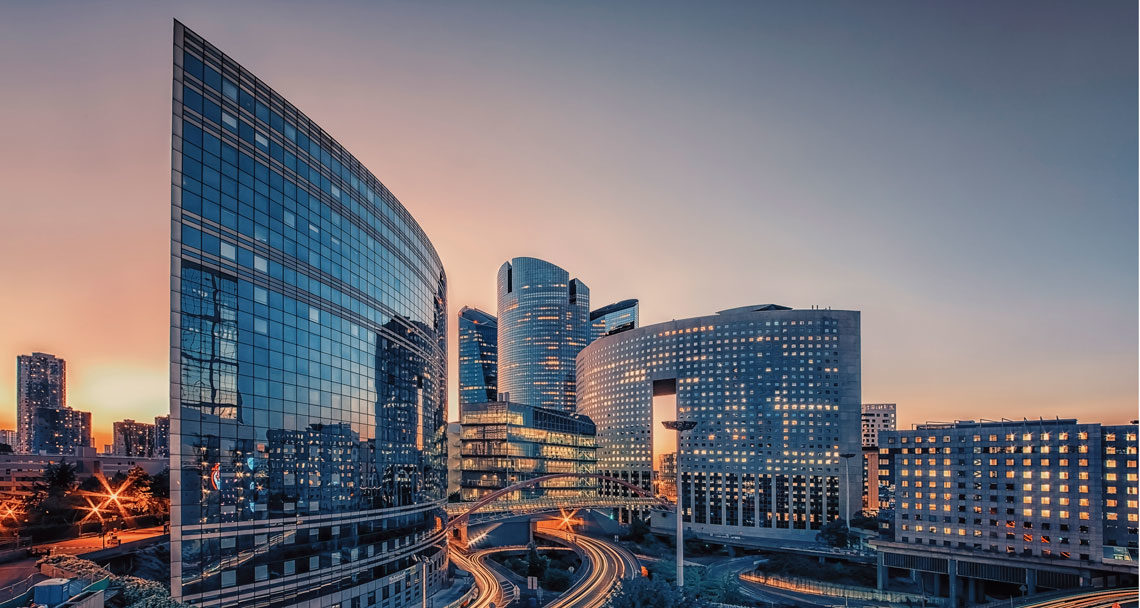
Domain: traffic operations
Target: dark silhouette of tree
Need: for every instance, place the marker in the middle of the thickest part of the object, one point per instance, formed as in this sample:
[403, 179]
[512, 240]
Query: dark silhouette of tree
[536, 565]
[835, 534]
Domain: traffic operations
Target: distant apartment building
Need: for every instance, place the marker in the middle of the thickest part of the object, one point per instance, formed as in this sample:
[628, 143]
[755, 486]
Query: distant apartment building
[478, 356]
[613, 318]
[130, 438]
[162, 436]
[41, 382]
[8, 437]
[60, 431]
[877, 417]
[503, 443]
[1048, 504]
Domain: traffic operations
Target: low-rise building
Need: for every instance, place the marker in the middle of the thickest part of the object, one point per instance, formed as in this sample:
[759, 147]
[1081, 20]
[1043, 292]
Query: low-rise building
[1041, 504]
[503, 443]
[20, 472]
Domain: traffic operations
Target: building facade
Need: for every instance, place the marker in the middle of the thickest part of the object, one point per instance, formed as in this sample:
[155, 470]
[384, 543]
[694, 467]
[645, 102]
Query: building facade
[877, 417]
[60, 431]
[613, 318]
[41, 382]
[130, 438]
[478, 356]
[543, 325]
[503, 443]
[775, 393]
[1048, 504]
[162, 436]
[308, 359]
[8, 437]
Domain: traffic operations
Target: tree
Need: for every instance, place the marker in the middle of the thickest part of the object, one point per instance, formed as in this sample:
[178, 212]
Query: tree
[864, 522]
[648, 593]
[536, 565]
[556, 580]
[638, 528]
[835, 534]
[58, 479]
[5, 448]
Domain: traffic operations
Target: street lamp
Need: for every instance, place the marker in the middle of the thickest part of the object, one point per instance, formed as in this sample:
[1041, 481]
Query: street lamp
[847, 486]
[680, 426]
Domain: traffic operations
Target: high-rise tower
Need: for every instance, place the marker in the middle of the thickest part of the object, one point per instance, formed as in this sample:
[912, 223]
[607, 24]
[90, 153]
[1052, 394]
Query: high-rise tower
[308, 359]
[478, 356]
[41, 382]
[543, 324]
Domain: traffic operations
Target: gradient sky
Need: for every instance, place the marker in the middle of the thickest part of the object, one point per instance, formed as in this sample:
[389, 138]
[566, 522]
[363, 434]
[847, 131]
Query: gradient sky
[964, 173]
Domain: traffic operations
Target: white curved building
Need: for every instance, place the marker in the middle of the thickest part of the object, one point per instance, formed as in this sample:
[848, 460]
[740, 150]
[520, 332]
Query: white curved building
[776, 396]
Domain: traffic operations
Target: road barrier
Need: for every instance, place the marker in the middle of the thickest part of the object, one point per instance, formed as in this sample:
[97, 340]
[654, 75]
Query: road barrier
[814, 587]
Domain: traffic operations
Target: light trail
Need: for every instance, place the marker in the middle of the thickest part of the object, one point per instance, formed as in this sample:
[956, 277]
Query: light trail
[1091, 599]
[607, 563]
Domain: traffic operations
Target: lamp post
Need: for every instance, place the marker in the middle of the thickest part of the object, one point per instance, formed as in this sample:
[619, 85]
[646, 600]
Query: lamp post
[680, 426]
[847, 486]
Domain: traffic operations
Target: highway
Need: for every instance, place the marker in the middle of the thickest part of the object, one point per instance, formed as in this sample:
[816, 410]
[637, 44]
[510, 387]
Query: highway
[1102, 598]
[771, 596]
[608, 563]
[493, 586]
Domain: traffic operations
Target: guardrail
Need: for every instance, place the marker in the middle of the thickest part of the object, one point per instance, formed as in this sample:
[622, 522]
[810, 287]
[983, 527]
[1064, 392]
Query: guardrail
[814, 587]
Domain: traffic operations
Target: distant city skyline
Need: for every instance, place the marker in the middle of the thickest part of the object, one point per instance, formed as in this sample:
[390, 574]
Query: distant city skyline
[964, 175]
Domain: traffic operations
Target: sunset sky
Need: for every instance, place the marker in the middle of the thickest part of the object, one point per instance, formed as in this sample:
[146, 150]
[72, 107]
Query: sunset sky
[965, 174]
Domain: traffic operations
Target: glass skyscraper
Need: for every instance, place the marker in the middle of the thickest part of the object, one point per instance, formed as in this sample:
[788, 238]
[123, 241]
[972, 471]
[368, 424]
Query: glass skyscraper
[613, 318]
[775, 393]
[478, 356]
[308, 359]
[543, 325]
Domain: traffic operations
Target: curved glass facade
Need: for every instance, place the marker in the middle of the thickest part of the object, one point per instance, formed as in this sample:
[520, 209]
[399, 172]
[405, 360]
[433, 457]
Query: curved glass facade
[544, 322]
[308, 359]
[775, 394]
[478, 356]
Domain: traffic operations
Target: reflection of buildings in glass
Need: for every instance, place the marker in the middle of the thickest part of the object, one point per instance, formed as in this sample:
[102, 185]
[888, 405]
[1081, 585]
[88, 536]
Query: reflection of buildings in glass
[309, 358]
[775, 395]
[316, 470]
[613, 318]
[503, 443]
[543, 323]
[478, 356]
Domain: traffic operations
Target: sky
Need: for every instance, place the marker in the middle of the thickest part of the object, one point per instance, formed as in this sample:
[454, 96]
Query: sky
[965, 174]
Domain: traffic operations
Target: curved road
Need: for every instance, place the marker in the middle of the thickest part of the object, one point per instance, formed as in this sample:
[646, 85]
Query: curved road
[608, 564]
[493, 587]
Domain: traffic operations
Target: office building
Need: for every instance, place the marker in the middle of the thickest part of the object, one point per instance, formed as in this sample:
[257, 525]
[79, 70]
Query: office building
[41, 382]
[613, 318]
[775, 395]
[543, 324]
[503, 443]
[130, 438]
[308, 361]
[478, 356]
[877, 417]
[162, 436]
[1048, 504]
